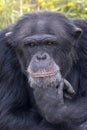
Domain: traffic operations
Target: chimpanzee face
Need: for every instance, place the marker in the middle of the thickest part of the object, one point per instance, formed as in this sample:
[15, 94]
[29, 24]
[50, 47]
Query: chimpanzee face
[44, 45]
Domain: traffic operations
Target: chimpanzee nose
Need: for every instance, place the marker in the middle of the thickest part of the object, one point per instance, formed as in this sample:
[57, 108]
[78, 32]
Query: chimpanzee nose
[40, 61]
[42, 56]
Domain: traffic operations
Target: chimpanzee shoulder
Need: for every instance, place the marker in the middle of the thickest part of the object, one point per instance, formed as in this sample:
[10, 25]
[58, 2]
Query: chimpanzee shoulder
[82, 46]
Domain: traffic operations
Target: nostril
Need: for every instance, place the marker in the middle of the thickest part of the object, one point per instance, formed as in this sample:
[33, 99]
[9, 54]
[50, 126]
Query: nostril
[42, 57]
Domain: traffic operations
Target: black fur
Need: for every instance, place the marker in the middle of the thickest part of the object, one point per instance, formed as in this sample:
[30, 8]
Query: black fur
[18, 110]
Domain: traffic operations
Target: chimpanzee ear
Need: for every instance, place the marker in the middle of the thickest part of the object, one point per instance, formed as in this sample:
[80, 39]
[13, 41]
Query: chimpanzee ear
[8, 34]
[77, 32]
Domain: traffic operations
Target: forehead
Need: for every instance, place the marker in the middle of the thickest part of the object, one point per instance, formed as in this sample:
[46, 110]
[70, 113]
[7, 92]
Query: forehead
[41, 23]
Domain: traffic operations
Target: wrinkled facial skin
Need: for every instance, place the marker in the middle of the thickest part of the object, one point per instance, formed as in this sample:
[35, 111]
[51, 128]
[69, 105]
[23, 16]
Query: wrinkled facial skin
[43, 71]
[44, 48]
[44, 67]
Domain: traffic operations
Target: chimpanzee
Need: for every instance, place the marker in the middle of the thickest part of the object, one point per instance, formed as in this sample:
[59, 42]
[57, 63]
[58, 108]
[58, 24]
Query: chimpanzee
[43, 73]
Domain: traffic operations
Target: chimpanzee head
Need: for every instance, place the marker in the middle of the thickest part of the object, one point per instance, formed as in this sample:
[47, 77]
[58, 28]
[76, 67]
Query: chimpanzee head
[45, 45]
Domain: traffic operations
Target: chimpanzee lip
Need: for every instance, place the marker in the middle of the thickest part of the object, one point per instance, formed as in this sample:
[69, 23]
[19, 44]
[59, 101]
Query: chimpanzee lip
[43, 74]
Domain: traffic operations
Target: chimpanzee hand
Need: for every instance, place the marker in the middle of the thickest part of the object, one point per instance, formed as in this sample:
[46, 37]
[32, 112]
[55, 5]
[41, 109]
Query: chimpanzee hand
[50, 101]
[69, 91]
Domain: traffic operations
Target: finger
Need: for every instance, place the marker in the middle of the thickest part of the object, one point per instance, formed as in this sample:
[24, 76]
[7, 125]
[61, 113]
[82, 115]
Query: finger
[67, 96]
[68, 87]
[60, 91]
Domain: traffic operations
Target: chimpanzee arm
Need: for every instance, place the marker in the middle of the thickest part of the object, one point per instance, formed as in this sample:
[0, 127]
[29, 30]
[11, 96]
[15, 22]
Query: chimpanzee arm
[55, 109]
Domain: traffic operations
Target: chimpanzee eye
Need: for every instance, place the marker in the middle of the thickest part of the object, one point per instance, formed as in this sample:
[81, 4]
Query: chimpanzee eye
[50, 43]
[29, 44]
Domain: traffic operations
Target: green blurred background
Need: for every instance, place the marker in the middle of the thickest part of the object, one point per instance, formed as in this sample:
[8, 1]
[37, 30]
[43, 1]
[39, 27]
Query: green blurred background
[10, 10]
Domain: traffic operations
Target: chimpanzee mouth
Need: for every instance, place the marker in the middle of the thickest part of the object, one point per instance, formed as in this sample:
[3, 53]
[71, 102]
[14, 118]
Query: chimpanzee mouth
[43, 77]
[43, 74]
